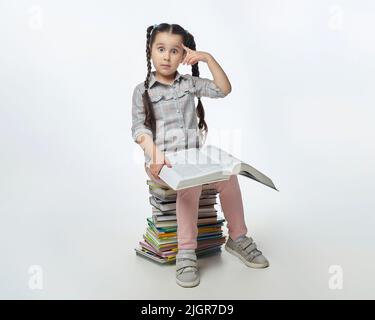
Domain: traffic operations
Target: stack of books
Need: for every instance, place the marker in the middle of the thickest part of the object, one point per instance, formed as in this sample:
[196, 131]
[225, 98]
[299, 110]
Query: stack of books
[159, 242]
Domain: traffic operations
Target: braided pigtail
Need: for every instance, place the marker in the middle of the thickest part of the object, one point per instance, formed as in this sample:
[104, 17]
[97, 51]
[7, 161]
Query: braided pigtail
[202, 125]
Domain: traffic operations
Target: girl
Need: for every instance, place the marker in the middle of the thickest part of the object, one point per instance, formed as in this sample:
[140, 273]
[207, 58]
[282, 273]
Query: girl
[165, 119]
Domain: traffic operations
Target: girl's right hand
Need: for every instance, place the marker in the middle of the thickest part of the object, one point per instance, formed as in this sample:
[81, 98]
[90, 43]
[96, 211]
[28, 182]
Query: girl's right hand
[155, 168]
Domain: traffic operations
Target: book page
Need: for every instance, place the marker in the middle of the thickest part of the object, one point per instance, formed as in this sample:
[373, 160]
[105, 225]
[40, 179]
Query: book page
[191, 167]
[217, 155]
[205, 165]
[251, 172]
[188, 156]
[192, 163]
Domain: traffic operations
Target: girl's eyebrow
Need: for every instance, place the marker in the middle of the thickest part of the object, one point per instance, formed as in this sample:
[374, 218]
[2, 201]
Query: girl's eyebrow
[176, 46]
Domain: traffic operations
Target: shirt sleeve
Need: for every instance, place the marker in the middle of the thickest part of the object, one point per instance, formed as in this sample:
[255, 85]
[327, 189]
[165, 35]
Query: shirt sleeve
[138, 115]
[207, 88]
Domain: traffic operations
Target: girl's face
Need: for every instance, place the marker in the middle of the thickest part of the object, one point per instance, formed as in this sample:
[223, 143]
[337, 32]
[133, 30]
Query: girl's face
[167, 53]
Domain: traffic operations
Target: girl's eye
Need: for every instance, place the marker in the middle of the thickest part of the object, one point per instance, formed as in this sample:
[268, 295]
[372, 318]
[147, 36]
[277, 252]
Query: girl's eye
[174, 50]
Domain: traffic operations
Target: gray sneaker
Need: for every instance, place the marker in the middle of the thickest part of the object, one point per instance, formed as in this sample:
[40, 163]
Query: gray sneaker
[247, 251]
[187, 274]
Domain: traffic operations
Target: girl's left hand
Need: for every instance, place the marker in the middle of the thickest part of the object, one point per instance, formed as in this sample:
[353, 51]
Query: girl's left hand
[192, 56]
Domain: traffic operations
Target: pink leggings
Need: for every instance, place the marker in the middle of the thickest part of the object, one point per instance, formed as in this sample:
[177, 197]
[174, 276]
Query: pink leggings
[187, 205]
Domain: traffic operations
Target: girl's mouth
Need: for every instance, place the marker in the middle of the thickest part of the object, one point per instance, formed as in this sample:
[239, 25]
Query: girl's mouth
[165, 66]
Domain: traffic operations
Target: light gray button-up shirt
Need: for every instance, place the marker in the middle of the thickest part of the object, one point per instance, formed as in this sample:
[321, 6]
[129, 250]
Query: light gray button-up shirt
[174, 109]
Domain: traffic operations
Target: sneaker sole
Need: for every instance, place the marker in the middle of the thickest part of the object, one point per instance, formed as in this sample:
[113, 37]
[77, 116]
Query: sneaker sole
[249, 264]
[188, 284]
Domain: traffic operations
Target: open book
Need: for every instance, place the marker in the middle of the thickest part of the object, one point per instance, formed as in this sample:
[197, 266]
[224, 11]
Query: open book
[193, 167]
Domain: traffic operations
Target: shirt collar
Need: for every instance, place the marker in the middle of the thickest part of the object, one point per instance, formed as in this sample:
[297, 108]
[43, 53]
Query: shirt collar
[153, 79]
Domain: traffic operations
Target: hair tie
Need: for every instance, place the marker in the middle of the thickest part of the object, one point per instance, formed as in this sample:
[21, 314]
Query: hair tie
[186, 31]
[155, 25]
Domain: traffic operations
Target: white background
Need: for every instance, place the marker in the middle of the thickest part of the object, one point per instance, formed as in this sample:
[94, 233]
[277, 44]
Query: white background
[73, 194]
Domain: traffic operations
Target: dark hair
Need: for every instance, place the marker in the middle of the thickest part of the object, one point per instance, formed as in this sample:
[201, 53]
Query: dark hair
[188, 41]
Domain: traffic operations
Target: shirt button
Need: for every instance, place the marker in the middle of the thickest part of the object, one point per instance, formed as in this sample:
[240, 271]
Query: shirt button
[178, 111]
[181, 126]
